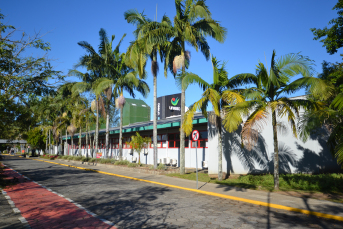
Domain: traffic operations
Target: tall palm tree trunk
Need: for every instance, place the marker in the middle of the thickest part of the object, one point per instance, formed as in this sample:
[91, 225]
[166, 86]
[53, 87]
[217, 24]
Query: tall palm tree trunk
[91, 145]
[49, 143]
[66, 143]
[139, 158]
[182, 133]
[46, 144]
[155, 122]
[220, 149]
[80, 154]
[61, 142]
[107, 131]
[72, 145]
[96, 128]
[87, 132]
[276, 153]
[121, 134]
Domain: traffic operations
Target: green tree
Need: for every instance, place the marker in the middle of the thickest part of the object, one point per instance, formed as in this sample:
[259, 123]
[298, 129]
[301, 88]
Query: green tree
[332, 38]
[147, 45]
[267, 97]
[192, 24]
[36, 138]
[24, 79]
[330, 116]
[118, 77]
[138, 143]
[220, 94]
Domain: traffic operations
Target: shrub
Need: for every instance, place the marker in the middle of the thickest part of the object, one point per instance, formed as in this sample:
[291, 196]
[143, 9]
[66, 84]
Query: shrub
[123, 162]
[92, 160]
[85, 159]
[52, 157]
[132, 165]
[77, 158]
[5, 152]
[104, 161]
[161, 167]
[151, 167]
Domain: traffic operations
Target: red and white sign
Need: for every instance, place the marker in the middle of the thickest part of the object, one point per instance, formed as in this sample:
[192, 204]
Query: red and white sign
[195, 135]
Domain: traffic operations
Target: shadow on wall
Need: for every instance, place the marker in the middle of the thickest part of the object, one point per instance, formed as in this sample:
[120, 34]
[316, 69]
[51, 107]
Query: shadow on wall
[323, 162]
[249, 159]
[259, 161]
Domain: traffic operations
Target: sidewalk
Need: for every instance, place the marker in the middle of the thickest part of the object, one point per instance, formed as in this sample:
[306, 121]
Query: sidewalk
[41, 208]
[269, 199]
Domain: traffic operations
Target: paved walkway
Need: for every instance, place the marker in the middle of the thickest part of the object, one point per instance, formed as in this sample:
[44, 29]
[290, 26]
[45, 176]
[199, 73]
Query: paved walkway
[44, 209]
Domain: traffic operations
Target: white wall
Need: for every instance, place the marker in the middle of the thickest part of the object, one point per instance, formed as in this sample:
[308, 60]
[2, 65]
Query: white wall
[295, 156]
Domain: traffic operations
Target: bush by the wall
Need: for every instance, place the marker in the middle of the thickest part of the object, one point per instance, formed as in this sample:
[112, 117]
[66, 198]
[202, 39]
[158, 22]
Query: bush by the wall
[123, 162]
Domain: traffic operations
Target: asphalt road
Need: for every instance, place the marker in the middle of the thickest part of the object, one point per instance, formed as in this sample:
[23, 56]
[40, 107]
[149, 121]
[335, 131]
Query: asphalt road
[135, 204]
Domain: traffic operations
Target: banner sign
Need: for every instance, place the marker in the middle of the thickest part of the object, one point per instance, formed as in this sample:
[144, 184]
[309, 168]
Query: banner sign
[168, 105]
[98, 155]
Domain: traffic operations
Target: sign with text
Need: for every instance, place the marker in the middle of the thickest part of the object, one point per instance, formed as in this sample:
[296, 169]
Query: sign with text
[98, 155]
[168, 105]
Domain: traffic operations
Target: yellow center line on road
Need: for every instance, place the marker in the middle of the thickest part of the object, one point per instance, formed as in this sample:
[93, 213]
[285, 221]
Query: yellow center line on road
[255, 202]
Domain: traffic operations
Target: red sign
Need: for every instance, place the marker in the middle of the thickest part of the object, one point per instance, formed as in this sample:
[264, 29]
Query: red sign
[98, 155]
[195, 135]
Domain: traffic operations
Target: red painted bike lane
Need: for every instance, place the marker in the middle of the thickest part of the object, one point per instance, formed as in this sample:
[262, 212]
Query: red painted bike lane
[44, 209]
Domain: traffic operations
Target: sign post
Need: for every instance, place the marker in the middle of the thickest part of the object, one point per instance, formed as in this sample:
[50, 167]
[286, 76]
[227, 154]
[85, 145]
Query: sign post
[195, 137]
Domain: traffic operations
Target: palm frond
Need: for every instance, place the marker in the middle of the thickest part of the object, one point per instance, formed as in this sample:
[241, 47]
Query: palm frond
[254, 124]
[233, 115]
[337, 103]
[210, 27]
[241, 79]
[119, 43]
[319, 88]
[232, 98]
[293, 64]
[80, 87]
[188, 119]
[183, 81]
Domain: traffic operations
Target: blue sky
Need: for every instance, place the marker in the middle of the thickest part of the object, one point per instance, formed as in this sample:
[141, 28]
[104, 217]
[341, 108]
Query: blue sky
[253, 28]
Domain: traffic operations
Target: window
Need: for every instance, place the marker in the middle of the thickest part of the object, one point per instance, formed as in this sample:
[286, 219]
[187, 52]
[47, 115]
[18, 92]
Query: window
[203, 140]
[115, 143]
[161, 141]
[125, 140]
[174, 141]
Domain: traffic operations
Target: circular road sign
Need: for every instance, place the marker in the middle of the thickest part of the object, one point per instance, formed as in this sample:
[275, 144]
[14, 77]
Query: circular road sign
[195, 135]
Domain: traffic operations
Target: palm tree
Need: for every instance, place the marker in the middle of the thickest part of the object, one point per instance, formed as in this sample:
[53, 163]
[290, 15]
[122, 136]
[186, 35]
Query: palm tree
[268, 96]
[147, 44]
[219, 94]
[126, 81]
[117, 78]
[192, 23]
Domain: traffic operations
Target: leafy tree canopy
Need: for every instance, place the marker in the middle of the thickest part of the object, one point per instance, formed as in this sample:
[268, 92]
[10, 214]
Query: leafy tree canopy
[23, 79]
[332, 38]
[36, 138]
